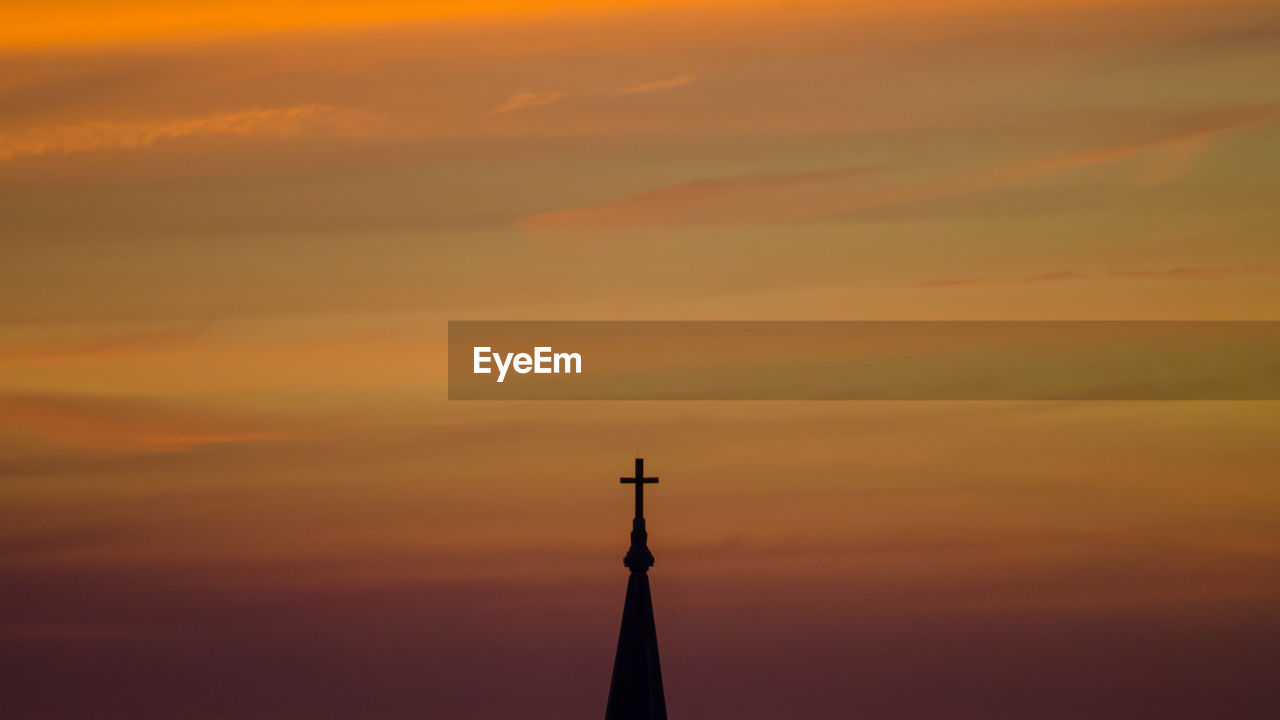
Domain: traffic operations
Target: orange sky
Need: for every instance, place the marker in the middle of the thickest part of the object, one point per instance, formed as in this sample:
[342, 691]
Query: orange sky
[231, 235]
[64, 23]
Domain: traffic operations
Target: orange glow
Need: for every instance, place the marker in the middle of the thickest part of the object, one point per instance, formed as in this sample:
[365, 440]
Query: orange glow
[76, 22]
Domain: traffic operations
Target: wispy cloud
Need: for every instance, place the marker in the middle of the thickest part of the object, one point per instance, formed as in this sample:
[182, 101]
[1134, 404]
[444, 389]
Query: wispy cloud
[657, 85]
[98, 345]
[820, 195]
[1180, 133]
[525, 100]
[1186, 132]
[1047, 277]
[1179, 273]
[711, 199]
[123, 425]
[1197, 273]
[130, 135]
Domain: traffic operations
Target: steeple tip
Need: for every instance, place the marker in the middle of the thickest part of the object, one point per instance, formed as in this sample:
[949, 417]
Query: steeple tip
[638, 557]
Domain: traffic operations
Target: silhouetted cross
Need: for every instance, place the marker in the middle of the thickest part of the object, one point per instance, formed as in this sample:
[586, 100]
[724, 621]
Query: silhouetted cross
[639, 481]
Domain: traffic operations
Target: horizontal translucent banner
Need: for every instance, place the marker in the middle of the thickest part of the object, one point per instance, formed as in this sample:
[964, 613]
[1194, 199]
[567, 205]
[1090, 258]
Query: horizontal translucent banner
[864, 360]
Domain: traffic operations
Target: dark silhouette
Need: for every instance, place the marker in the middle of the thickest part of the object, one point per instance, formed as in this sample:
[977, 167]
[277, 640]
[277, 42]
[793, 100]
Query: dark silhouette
[636, 690]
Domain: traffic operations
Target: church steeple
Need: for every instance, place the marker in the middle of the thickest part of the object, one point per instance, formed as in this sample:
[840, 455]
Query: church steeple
[636, 690]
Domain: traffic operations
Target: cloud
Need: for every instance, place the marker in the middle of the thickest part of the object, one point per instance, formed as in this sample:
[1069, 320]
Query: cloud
[1179, 273]
[658, 85]
[1196, 273]
[102, 344]
[1178, 135]
[1191, 131]
[820, 195]
[711, 199]
[525, 100]
[96, 135]
[1056, 276]
[121, 425]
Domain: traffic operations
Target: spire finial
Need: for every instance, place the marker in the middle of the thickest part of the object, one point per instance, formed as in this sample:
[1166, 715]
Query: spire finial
[638, 557]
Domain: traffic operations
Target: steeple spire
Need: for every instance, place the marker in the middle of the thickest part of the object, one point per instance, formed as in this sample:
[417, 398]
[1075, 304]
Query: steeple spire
[638, 558]
[636, 690]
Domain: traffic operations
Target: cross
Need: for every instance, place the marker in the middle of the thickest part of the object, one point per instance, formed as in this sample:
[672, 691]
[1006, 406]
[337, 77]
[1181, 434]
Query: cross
[639, 481]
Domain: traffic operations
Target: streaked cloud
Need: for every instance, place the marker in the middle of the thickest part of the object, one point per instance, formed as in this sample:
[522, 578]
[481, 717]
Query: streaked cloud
[1197, 273]
[119, 424]
[1047, 277]
[525, 100]
[819, 194]
[98, 344]
[1186, 131]
[711, 199]
[658, 85]
[131, 135]
[1178, 273]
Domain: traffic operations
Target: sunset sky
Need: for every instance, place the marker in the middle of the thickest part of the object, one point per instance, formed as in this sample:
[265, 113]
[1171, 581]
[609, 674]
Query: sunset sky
[232, 234]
